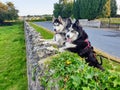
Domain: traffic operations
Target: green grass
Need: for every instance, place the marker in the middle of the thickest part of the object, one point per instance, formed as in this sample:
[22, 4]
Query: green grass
[13, 73]
[111, 20]
[46, 34]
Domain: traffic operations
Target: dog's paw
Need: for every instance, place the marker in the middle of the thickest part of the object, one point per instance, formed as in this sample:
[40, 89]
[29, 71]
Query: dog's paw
[61, 49]
[51, 48]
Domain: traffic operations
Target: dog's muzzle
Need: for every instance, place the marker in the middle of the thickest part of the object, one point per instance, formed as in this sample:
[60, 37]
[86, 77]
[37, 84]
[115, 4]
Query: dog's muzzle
[55, 30]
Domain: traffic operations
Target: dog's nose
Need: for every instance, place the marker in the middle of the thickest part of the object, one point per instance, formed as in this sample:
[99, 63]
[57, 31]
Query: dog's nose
[54, 29]
[67, 36]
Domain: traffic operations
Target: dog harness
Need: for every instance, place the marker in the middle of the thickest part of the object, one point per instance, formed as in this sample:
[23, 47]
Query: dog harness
[87, 41]
[87, 48]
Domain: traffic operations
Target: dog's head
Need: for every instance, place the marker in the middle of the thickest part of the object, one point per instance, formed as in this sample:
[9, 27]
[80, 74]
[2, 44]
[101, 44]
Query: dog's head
[75, 31]
[58, 24]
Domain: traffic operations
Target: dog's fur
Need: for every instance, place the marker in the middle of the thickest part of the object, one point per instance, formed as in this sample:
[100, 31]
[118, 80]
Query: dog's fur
[59, 26]
[59, 29]
[77, 41]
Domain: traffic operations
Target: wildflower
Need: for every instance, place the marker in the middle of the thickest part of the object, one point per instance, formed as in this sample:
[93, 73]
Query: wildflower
[68, 62]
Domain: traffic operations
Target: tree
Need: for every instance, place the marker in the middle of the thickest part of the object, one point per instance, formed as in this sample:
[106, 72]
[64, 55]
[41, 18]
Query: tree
[63, 9]
[7, 12]
[63, 1]
[113, 8]
[66, 10]
[3, 12]
[76, 10]
[12, 12]
[106, 10]
[57, 9]
[88, 9]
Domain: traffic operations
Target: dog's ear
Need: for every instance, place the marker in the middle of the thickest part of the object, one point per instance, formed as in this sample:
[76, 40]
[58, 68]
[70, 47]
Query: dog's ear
[77, 22]
[60, 19]
[68, 22]
[73, 21]
[53, 19]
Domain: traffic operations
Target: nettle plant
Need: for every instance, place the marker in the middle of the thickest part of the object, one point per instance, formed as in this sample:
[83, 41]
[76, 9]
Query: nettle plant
[69, 72]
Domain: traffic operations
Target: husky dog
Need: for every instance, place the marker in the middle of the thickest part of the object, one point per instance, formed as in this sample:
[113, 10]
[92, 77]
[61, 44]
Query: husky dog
[59, 26]
[77, 41]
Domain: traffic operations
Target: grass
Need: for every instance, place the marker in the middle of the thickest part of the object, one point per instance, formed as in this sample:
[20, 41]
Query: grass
[46, 34]
[13, 74]
[111, 20]
[107, 63]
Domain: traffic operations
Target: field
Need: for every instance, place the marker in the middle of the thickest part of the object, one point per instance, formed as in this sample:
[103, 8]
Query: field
[110, 20]
[13, 73]
[46, 34]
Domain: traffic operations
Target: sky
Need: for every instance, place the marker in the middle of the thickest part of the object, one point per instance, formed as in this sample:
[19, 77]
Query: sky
[37, 7]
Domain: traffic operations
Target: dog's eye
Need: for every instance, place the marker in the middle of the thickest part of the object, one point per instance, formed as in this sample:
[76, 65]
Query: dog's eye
[68, 30]
[72, 31]
[56, 24]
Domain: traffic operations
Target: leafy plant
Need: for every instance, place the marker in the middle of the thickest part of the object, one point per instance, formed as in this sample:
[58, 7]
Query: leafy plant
[70, 72]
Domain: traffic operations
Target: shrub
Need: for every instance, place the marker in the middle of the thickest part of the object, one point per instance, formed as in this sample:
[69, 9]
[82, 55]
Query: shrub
[48, 18]
[69, 72]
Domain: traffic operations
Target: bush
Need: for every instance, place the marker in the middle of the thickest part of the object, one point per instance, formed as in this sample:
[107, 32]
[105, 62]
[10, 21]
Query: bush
[48, 18]
[38, 20]
[69, 72]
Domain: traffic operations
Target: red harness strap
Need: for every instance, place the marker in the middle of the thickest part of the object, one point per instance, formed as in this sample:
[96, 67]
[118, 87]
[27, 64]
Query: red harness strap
[87, 41]
[86, 48]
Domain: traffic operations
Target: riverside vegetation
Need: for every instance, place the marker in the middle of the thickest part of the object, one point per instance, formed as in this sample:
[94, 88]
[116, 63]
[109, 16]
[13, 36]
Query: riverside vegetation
[13, 73]
[71, 72]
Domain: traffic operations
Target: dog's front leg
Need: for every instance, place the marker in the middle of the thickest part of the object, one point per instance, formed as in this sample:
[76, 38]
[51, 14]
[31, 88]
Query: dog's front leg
[62, 49]
[70, 45]
[67, 45]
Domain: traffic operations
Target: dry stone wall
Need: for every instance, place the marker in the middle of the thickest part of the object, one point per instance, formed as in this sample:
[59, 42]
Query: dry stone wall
[36, 50]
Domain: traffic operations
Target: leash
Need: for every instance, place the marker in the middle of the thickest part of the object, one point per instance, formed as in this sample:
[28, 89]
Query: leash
[100, 58]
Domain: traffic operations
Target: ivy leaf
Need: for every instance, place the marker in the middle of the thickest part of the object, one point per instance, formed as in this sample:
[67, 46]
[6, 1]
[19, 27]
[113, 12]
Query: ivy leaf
[85, 88]
[116, 82]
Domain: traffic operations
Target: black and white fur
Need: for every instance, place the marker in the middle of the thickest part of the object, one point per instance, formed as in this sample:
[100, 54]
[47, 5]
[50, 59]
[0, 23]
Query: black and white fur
[59, 26]
[77, 41]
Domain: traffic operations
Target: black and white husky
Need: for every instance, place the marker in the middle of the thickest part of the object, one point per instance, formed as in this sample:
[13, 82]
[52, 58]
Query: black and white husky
[77, 41]
[59, 26]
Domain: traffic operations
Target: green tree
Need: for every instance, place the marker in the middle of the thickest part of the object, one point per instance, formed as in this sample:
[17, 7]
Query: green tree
[7, 12]
[12, 12]
[87, 9]
[57, 9]
[106, 9]
[3, 12]
[63, 9]
[76, 9]
[66, 10]
[113, 8]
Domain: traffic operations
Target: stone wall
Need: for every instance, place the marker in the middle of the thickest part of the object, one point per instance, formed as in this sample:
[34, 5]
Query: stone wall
[98, 24]
[92, 23]
[36, 50]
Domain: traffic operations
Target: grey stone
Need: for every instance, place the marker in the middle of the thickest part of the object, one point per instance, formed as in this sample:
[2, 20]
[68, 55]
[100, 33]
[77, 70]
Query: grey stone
[36, 50]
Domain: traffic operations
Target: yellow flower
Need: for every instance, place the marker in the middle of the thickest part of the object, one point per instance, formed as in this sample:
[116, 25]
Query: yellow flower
[65, 80]
[62, 89]
[68, 62]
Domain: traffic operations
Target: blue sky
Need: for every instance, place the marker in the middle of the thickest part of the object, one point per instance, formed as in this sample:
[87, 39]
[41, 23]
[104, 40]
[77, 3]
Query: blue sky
[37, 7]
